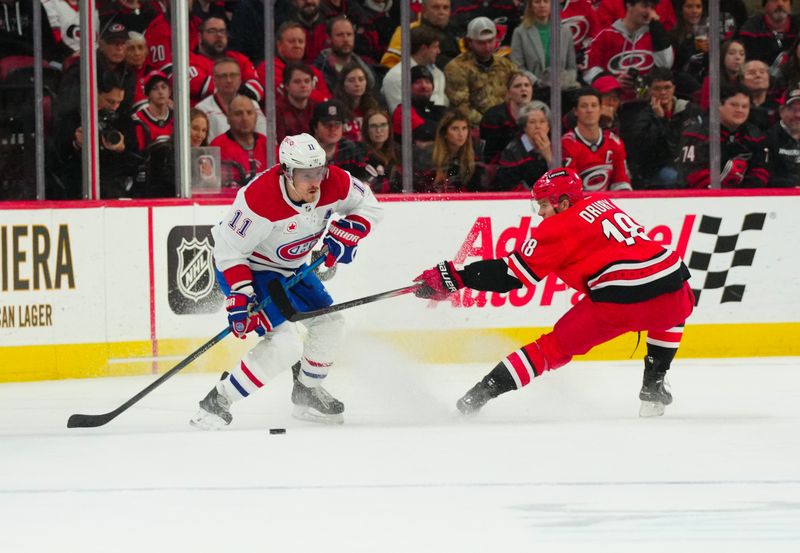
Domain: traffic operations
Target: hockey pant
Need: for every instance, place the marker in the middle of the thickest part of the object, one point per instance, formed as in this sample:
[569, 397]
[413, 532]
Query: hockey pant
[281, 345]
[590, 323]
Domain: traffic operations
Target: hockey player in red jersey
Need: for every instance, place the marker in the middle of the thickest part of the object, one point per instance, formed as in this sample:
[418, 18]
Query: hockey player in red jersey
[630, 284]
[265, 238]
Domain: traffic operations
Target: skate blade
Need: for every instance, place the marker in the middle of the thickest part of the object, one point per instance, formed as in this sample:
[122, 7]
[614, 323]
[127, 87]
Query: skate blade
[651, 409]
[207, 421]
[467, 410]
[308, 414]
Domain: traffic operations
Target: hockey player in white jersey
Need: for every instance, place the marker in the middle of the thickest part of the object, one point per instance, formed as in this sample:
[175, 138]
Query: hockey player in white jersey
[268, 234]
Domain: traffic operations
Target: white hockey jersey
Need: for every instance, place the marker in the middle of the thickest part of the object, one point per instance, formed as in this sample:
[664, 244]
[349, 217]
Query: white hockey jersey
[65, 21]
[264, 230]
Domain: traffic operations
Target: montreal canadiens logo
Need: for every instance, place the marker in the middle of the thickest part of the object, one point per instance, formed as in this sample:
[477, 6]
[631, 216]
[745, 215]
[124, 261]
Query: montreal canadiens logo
[299, 248]
[578, 26]
[637, 59]
[596, 178]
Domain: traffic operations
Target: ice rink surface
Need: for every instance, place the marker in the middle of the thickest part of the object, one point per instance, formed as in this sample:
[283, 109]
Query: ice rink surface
[563, 465]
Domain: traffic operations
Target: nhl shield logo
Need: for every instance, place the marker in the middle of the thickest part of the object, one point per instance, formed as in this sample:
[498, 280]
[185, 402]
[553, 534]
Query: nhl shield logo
[195, 272]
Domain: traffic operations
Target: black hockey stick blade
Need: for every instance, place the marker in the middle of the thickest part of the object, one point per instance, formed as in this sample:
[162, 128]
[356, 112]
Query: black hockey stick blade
[92, 421]
[302, 315]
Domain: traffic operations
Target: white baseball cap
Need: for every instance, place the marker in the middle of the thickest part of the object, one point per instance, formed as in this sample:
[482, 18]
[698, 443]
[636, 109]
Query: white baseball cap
[481, 28]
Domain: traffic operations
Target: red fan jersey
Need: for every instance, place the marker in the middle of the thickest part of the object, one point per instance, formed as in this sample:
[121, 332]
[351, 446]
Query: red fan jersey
[601, 165]
[598, 249]
[319, 89]
[148, 128]
[241, 164]
[201, 72]
[159, 41]
[579, 16]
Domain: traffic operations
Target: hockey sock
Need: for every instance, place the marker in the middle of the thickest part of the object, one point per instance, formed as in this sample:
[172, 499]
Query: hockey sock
[312, 373]
[503, 380]
[240, 383]
[662, 346]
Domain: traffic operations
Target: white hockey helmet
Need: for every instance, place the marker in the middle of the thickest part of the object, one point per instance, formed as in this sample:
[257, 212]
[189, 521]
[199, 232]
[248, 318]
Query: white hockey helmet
[301, 151]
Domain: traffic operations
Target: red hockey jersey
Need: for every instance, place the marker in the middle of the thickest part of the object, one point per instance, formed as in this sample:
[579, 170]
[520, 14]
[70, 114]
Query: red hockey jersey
[598, 249]
[580, 18]
[602, 165]
[201, 76]
[240, 164]
[148, 128]
[159, 41]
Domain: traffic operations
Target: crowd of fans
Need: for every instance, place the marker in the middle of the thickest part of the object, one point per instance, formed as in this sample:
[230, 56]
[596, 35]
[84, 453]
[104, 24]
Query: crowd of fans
[633, 76]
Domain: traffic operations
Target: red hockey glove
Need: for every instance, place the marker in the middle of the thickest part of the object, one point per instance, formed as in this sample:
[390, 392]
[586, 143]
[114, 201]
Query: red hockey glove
[733, 172]
[439, 282]
[239, 305]
[342, 239]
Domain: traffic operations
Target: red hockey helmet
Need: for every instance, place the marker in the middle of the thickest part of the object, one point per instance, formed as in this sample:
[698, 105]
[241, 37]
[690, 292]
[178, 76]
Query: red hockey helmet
[557, 183]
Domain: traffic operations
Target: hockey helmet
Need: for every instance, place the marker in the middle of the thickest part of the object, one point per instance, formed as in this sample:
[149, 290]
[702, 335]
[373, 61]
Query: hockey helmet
[301, 151]
[556, 183]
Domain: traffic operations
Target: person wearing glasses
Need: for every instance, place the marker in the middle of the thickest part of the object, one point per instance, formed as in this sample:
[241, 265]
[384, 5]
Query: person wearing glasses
[213, 46]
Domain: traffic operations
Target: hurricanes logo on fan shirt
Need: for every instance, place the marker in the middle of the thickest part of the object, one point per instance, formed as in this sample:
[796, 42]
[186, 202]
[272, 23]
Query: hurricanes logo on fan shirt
[596, 178]
[299, 248]
[578, 26]
[637, 59]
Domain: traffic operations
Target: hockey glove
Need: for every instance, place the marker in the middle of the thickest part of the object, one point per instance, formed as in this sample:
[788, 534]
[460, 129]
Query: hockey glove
[342, 239]
[239, 305]
[733, 172]
[439, 282]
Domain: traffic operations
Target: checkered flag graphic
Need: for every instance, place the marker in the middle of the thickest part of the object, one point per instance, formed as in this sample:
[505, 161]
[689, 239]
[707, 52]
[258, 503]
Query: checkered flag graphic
[719, 254]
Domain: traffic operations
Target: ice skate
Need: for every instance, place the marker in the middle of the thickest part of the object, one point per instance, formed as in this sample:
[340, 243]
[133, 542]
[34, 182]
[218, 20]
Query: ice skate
[214, 412]
[655, 393]
[478, 396]
[314, 404]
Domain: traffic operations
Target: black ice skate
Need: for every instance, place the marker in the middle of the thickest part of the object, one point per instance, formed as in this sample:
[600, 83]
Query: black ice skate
[214, 412]
[314, 403]
[655, 393]
[478, 396]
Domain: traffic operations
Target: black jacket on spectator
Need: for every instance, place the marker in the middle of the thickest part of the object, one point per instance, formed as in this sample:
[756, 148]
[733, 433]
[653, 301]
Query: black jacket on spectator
[759, 41]
[508, 11]
[498, 128]
[69, 96]
[448, 43]
[520, 166]
[246, 29]
[764, 116]
[16, 33]
[351, 156]
[657, 141]
[784, 158]
[746, 143]
[134, 20]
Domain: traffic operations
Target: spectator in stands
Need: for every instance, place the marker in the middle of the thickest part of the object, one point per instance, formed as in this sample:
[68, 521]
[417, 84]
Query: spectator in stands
[355, 95]
[527, 157]
[436, 15]
[424, 50]
[766, 35]
[500, 123]
[117, 157]
[630, 47]
[63, 19]
[203, 9]
[379, 18]
[243, 151]
[788, 73]
[690, 42]
[658, 128]
[155, 120]
[763, 106]
[213, 46]
[136, 15]
[530, 48]
[597, 155]
[505, 12]
[247, 27]
[326, 125]
[136, 58]
[448, 165]
[610, 98]
[340, 54]
[290, 45]
[198, 133]
[743, 147]
[608, 11]
[382, 158]
[476, 79]
[227, 84]
[425, 115]
[307, 13]
[580, 17]
[783, 142]
[295, 105]
[159, 38]
[733, 56]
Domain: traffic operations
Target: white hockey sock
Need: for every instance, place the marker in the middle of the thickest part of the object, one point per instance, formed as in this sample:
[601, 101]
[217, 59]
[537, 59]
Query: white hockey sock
[312, 373]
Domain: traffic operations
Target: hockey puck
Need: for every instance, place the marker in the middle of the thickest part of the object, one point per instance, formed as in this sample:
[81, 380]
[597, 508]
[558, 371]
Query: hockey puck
[277, 431]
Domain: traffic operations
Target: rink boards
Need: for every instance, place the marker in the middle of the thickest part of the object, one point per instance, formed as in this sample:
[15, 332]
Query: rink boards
[120, 288]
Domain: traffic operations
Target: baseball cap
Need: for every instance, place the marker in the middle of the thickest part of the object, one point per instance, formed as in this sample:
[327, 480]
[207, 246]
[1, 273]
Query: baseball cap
[330, 110]
[152, 78]
[114, 31]
[421, 72]
[790, 96]
[481, 28]
[606, 84]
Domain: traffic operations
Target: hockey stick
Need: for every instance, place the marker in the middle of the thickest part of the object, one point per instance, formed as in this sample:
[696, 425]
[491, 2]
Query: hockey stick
[295, 316]
[91, 421]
